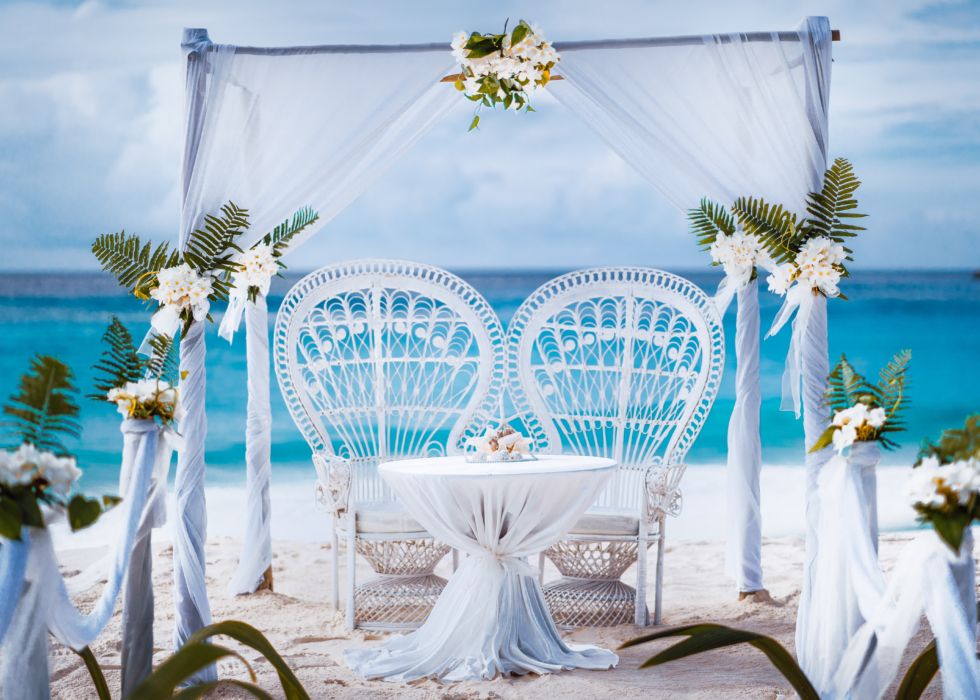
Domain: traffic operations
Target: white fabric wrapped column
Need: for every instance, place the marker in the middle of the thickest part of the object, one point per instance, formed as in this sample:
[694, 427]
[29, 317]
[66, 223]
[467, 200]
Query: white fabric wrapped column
[256, 556]
[816, 367]
[928, 578]
[864, 458]
[142, 440]
[46, 606]
[13, 566]
[193, 610]
[744, 561]
[846, 577]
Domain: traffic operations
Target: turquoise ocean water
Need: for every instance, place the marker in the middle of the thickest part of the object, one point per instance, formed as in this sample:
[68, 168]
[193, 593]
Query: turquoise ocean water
[936, 314]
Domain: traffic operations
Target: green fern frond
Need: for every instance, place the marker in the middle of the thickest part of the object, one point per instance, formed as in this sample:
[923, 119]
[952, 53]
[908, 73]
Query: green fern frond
[846, 386]
[119, 363]
[164, 360]
[211, 247]
[834, 203]
[892, 386]
[131, 261]
[775, 227]
[282, 234]
[44, 409]
[709, 220]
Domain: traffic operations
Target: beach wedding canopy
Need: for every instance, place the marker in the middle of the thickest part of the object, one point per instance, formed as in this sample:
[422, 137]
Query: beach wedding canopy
[275, 129]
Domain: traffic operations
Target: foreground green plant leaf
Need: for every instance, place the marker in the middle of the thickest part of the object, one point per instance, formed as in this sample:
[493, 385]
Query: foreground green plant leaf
[95, 671]
[181, 665]
[708, 636]
[919, 674]
[199, 691]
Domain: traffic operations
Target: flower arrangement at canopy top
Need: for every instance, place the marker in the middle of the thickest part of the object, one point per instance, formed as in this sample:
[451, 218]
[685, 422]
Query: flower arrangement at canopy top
[503, 68]
[501, 445]
[862, 411]
[260, 263]
[40, 471]
[183, 283]
[944, 487]
[142, 388]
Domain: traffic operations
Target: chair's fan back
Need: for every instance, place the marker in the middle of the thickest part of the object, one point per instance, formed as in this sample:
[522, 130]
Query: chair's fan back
[616, 362]
[382, 359]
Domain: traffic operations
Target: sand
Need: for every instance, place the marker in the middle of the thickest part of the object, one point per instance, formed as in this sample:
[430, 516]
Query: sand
[298, 620]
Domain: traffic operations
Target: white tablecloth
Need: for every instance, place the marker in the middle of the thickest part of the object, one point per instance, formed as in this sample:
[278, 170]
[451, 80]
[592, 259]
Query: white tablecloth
[491, 618]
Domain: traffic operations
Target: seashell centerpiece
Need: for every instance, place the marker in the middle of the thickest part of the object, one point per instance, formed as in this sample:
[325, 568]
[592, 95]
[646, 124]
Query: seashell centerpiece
[501, 445]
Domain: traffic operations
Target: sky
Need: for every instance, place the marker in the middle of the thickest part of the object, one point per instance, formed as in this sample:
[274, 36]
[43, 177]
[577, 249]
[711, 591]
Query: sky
[91, 97]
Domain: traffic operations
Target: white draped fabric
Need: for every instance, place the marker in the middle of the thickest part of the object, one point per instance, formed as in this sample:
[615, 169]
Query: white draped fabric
[45, 604]
[744, 508]
[847, 579]
[928, 578]
[277, 129]
[492, 617]
[256, 556]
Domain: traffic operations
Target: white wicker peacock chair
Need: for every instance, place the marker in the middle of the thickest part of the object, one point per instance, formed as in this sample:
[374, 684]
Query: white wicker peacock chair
[623, 363]
[380, 360]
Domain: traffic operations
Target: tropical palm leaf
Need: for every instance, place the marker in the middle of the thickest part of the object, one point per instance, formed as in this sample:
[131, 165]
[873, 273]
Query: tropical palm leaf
[775, 227]
[846, 386]
[164, 360]
[709, 220]
[44, 408]
[892, 385]
[834, 203]
[132, 261]
[119, 363]
[282, 234]
[211, 247]
[709, 636]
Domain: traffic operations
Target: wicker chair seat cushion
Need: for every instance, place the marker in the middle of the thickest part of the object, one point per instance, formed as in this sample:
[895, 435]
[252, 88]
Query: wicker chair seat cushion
[382, 518]
[607, 523]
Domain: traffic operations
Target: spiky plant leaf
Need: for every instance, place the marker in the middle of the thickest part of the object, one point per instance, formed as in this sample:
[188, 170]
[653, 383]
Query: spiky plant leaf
[709, 220]
[44, 409]
[119, 363]
[132, 261]
[709, 636]
[775, 227]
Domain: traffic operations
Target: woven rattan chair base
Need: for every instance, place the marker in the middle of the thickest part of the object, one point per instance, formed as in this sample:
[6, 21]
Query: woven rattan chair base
[396, 602]
[576, 602]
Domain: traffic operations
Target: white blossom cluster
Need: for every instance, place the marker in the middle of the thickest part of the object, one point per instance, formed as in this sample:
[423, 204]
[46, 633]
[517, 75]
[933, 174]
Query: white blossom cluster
[524, 62]
[257, 268]
[849, 420]
[501, 445]
[931, 481]
[181, 289]
[27, 464]
[146, 398]
[738, 255]
[817, 266]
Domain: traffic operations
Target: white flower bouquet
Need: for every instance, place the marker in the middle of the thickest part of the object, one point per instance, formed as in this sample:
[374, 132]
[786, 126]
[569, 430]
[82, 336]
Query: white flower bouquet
[862, 411]
[944, 487]
[502, 445]
[505, 68]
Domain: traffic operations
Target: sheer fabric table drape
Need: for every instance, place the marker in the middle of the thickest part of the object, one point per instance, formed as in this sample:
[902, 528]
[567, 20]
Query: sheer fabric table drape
[491, 618]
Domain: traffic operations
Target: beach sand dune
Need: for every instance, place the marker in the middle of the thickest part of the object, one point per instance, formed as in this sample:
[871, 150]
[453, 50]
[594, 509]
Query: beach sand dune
[298, 620]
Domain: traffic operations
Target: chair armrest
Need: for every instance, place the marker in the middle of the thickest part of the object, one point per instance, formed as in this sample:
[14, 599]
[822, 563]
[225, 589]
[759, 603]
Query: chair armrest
[663, 492]
[332, 488]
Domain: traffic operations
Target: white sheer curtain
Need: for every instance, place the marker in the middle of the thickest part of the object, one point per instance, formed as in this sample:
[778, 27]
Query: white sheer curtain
[273, 131]
[717, 116]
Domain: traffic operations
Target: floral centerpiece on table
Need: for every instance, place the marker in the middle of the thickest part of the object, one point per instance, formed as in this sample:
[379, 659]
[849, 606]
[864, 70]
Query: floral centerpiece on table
[142, 388]
[944, 487]
[862, 411]
[39, 472]
[183, 283]
[501, 445]
[505, 68]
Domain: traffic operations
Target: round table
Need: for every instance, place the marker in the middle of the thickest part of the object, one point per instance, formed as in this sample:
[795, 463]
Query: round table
[491, 618]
